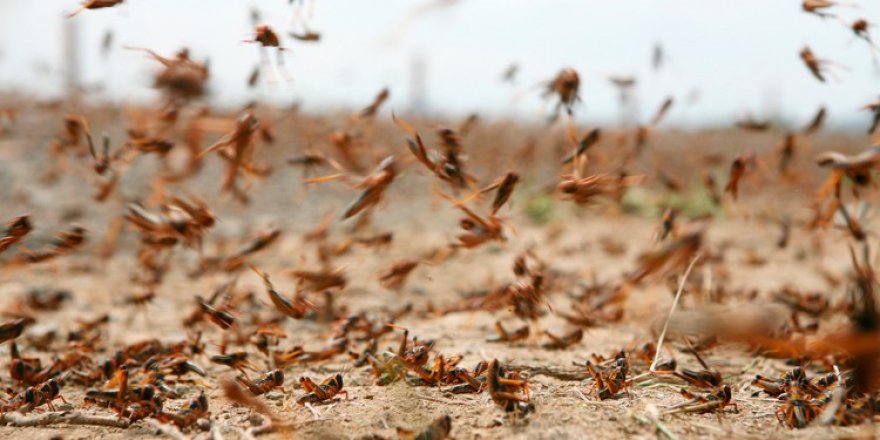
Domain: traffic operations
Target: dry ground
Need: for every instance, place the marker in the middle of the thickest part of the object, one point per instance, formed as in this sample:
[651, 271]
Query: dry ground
[420, 221]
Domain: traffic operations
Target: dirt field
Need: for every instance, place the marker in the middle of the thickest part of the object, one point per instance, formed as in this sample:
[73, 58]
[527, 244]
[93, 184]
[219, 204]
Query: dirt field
[581, 246]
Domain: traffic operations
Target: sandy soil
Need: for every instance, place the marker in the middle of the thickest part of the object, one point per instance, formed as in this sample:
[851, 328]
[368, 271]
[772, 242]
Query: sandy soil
[570, 242]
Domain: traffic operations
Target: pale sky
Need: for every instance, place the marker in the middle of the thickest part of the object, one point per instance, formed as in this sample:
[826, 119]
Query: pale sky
[738, 56]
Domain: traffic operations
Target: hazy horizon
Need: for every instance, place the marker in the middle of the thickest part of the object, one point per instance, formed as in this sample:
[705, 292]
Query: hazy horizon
[735, 59]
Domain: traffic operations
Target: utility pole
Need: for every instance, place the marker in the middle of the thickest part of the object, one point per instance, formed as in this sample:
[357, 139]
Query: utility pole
[71, 57]
[418, 99]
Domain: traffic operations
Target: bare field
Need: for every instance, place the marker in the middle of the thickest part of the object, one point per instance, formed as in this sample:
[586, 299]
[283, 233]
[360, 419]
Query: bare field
[576, 248]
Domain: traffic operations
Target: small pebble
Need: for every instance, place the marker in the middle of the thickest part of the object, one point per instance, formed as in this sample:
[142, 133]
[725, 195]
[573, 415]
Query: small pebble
[182, 390]
[203, 424]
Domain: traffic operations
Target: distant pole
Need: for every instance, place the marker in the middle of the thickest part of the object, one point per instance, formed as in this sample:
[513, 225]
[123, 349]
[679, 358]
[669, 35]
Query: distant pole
[635, 107]
[418, 100]
[628, 107]
[71, 68]
[771, 104]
